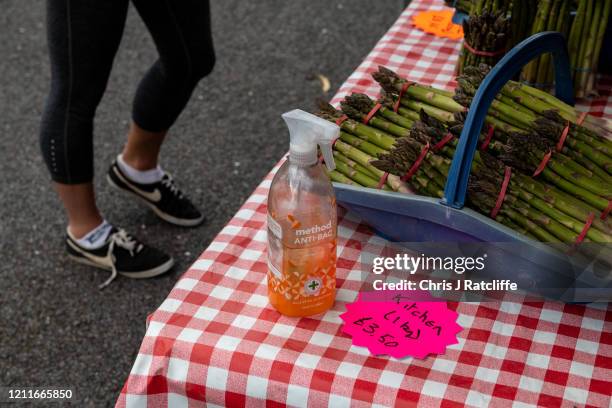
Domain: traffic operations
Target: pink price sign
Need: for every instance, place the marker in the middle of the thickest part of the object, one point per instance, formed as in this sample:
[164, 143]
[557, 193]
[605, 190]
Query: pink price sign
[401, 327]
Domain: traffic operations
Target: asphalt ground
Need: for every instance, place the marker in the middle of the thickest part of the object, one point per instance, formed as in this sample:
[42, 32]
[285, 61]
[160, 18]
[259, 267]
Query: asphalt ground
[56, 327]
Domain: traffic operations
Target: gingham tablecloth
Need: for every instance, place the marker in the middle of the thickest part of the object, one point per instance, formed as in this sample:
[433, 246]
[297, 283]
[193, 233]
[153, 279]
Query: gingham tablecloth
[216, 340]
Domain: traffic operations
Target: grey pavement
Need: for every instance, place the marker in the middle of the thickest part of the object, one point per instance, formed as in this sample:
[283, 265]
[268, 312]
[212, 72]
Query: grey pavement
[56, 327]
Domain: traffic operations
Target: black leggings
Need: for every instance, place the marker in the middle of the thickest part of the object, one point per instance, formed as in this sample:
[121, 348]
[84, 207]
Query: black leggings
[83, 37]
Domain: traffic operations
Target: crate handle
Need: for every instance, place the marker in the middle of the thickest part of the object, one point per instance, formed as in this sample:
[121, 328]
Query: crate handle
[541, 43]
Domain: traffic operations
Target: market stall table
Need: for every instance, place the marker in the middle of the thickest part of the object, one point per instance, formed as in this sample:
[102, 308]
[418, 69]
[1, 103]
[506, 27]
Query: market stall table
[215, 339]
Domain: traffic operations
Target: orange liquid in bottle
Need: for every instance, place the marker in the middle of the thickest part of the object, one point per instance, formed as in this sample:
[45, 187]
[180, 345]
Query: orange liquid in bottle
[307, 285]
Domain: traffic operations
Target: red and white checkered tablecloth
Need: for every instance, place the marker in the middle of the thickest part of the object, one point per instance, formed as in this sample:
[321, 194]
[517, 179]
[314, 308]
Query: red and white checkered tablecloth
[215, 340]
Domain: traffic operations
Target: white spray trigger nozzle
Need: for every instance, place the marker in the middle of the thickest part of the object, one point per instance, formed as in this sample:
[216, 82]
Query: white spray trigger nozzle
[306, 132]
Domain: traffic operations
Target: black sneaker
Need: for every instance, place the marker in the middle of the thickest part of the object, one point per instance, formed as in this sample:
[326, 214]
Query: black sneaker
[164, 198]
[121, 254]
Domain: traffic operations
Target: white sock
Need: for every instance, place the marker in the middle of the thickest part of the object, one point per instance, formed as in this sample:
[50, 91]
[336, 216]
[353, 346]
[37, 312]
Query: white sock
[139, 176]
[96, 237]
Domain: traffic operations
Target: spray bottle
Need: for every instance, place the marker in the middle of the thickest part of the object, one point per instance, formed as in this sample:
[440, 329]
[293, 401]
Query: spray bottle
[302, 221]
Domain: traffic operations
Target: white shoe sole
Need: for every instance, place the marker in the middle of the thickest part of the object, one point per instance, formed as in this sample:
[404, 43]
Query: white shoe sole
[150, 273]
[166, 217]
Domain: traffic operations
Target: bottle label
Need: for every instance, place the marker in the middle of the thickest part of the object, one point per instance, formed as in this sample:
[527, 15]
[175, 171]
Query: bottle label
[275, 247]
[275, 227]
[309, 235]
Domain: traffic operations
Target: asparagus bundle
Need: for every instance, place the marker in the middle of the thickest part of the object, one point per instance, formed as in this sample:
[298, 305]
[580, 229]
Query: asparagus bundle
[585, 42]
[585, 36]
[549, 123]
[362, 144]
[379, 137]
[360, 150]
[551, 15]
[486, 35]
[522, 16]
[529, 99]
[437, 103]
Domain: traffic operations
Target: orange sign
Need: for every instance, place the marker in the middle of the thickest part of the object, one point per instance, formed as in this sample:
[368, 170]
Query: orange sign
[438, 23]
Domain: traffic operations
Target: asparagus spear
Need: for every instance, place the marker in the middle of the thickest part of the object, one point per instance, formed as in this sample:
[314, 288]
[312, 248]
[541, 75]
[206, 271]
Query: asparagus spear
[363, 103]
[353, 164]
[357, 176]
[372, 135]
[518, 228]
[361, 144]
[391, 82]
[578, 158]
[531, 69]
[601, 32]
[544, 64]
[375, 121]
[576, 32]
[586, 55]
[340, 178]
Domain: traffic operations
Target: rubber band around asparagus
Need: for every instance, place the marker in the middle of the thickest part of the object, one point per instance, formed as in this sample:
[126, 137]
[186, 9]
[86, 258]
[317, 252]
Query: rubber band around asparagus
[417, 163]
[447, 138]
[563, 137]
[542, 164]
[483, 53]
[367, 118]
[585, 230]
[487, 141]
[383, 180]
[340, 120]
[502, 192]
[566, 130]
[403, 90]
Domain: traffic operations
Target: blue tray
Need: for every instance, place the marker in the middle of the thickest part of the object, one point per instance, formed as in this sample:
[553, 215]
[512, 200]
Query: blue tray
[414, 218]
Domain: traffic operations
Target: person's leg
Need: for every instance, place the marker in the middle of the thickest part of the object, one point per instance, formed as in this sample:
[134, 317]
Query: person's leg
[181, 32]
[80, 204]
[142, 148]
[83, 36]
